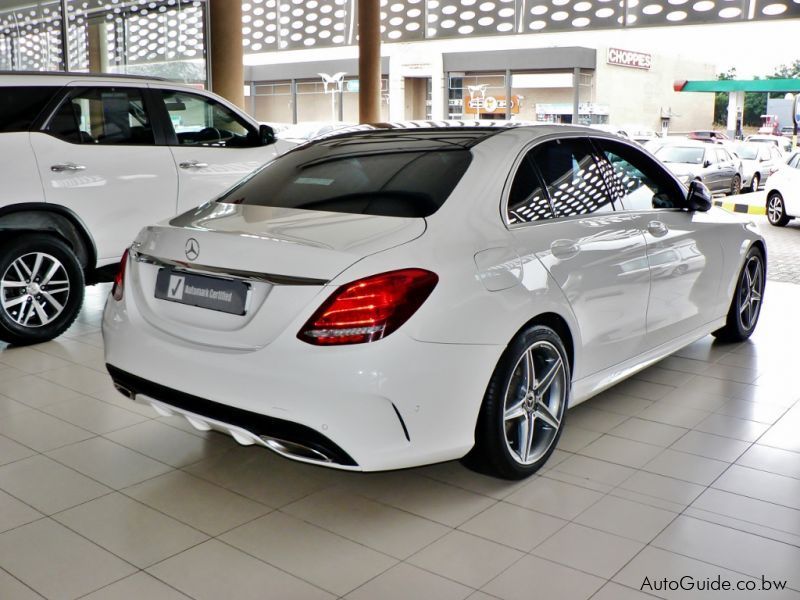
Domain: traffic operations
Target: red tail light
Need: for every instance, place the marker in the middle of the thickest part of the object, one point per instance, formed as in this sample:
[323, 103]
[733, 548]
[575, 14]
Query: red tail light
[369, 309]
[119, 279]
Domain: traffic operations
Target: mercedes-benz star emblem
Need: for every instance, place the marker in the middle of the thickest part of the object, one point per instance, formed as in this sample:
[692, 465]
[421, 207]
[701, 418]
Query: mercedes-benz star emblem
[192, 249]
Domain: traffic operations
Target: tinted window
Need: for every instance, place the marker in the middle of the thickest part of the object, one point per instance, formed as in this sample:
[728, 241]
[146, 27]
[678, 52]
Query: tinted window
[747, 151]
[636, 181]
[341, 176]
[527, 200]
[572, 177]
[201, 121]
[104, 116]
[19, 106]
[722, 156]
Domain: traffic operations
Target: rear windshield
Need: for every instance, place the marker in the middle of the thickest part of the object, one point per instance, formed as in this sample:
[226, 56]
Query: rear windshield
[19, 106]
[386, 182]
[680, 154]
[747, 151]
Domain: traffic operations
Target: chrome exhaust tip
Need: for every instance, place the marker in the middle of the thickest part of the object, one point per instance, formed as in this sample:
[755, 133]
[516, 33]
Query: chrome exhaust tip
[295, 450]
[130, 394]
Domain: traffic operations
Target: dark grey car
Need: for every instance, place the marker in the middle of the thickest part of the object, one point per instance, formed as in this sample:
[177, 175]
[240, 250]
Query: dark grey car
[710, 163]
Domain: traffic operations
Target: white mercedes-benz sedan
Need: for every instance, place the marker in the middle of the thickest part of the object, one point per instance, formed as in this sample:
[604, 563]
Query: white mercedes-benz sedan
[396, 296]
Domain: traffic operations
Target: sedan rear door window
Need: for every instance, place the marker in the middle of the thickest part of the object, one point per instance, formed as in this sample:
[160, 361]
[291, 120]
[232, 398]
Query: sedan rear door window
[572, 177]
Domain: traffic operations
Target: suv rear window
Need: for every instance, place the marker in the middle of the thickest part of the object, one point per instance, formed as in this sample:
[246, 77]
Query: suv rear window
[392, 182]
[19, 106]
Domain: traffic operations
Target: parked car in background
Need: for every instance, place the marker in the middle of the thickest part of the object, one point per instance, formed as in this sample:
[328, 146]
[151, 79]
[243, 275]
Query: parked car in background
[707, 135]
[303, 132]
[783, 144]
[87, 161]
[759, 161]
[783, 192]
[699, 161]
[322, 307]
[611, 129]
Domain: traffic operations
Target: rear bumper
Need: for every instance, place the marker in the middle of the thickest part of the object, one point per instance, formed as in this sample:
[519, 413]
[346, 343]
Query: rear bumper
[285, 437]
[390, 404]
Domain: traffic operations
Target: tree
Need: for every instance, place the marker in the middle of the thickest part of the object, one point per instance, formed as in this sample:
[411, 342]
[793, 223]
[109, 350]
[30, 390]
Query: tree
[721, 98]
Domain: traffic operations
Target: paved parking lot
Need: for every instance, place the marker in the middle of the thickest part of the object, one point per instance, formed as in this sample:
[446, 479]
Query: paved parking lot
[690, 468]
[783, 243]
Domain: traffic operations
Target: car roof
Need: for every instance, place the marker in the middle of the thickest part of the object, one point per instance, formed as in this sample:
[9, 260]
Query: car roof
[49, 78]
[689, 143]
[463, 133]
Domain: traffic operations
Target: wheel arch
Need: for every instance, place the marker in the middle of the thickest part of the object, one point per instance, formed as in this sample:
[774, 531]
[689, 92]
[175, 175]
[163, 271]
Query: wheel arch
[54, 219]
[558, 324]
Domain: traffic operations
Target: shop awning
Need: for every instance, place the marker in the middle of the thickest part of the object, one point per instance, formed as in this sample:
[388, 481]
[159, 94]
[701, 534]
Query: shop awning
[738, 85]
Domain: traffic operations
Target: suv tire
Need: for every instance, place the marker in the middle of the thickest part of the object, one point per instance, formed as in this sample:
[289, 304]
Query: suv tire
[41, 288]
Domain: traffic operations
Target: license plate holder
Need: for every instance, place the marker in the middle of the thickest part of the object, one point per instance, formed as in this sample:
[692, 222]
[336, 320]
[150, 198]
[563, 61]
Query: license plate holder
[203, 291]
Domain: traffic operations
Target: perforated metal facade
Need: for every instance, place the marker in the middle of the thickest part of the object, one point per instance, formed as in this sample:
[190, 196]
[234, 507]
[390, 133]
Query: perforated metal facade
[295, 24]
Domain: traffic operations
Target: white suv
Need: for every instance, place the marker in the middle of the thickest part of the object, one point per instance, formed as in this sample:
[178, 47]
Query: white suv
[87, 161]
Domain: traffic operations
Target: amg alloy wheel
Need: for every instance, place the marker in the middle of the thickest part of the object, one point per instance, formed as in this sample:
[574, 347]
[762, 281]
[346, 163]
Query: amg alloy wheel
[41, 289]
[747, 298]
[776, 210]
[524, 408]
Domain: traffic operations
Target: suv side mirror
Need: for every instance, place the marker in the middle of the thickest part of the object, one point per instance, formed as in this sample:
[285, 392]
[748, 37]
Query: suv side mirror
[266, 135]
[699, 197]
[706, 163]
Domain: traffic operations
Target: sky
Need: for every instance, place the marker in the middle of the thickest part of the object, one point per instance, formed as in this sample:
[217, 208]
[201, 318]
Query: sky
[754, 48]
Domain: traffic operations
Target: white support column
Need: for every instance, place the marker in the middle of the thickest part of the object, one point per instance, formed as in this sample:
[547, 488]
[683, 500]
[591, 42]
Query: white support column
[735, 103]
[397, 92]
[438, 88]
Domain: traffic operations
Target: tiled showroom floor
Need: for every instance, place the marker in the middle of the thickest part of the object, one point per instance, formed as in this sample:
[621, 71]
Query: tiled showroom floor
[690, 469]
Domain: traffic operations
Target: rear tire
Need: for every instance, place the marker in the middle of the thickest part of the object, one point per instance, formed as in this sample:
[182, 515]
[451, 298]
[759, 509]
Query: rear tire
[776, 210]
[524, 407]
[41, 288]
[747, 298]
[736, 185]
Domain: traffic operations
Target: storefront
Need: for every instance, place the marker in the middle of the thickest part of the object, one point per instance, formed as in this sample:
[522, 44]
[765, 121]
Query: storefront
[311, 91]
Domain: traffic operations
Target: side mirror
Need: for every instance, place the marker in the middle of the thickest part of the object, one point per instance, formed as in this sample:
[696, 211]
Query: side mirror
[266, 135]
[706, 164]
[699, 197]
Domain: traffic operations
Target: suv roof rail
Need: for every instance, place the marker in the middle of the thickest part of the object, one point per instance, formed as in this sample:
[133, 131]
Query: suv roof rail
[82, 74]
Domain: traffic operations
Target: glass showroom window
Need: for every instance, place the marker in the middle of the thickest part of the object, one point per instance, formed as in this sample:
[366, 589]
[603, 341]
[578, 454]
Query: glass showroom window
[30, 36]
[474, 96]
[272, 102]
[143, 37]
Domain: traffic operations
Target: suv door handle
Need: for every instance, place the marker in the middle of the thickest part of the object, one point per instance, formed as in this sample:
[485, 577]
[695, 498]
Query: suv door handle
[565, 249]
[60, 168]
[193, 164]
[657, 229]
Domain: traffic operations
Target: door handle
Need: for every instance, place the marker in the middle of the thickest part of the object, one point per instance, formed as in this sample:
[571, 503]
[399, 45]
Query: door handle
[60, 168]
[565, 249]
[657, 229]
[193, 164]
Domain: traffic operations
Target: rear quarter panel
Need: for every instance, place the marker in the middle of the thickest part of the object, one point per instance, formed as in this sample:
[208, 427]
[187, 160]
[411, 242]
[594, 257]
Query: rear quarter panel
[18, 170]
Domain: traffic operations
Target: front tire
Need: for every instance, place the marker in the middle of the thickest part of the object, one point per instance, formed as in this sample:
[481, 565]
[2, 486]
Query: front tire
[776, 210]
[755, 183]
[747, 298]
[523, 410]
[41, 288]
